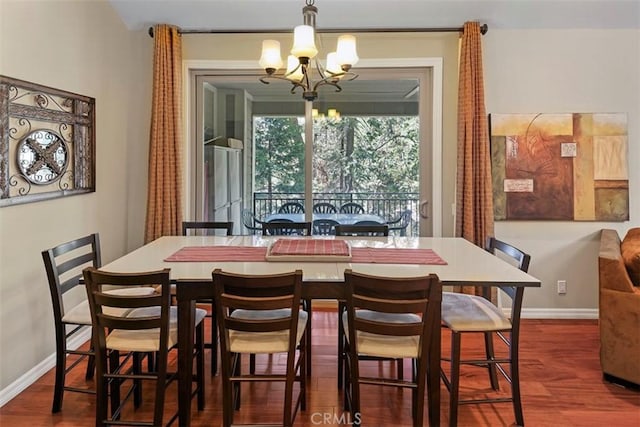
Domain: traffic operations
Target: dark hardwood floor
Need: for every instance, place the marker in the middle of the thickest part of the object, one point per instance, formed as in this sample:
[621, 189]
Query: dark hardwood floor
[561, 386]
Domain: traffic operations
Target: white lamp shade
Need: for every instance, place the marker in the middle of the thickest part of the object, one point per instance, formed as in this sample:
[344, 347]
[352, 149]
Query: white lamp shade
[271, 55]
[292, 63]
[304, 45]
[333, 67]
[346, 50]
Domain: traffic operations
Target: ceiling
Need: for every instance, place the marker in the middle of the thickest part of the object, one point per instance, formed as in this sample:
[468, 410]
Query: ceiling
[369, 14]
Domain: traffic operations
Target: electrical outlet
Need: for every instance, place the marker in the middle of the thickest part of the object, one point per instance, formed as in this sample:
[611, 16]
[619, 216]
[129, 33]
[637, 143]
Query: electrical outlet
[562, 287]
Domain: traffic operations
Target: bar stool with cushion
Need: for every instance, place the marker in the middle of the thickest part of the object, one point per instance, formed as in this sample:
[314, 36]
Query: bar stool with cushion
[462, 313]
[209, 227]
[279, 227]
[362, 229]
[260, 314]
[64, 271]
[390, 317]
[150, 326]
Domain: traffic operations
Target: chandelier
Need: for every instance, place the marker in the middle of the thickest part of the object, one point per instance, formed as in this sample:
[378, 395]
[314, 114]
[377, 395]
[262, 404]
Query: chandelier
[304, 70]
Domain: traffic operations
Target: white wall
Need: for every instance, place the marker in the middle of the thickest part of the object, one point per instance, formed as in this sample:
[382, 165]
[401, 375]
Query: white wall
[558, 71]
[82, 47]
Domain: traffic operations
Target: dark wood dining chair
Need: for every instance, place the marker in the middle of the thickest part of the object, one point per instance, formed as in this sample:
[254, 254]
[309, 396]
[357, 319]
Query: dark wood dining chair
[150, 327]
[208, 226]
[463, 313]
[260, 314]
[389, 317]
[279, 227]
[324, 208]
[291, 207]
[363, 228]
[63, 265]
[352, 208]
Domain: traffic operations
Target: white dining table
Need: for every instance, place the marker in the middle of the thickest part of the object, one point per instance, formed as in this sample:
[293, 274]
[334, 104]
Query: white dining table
[466, 264]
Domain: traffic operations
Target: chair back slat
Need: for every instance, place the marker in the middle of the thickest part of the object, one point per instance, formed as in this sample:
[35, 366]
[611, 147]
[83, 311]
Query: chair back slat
[59, 262]
[362, 229]
[158, 303]
[207, 226]
[414, 295]
[257, 293]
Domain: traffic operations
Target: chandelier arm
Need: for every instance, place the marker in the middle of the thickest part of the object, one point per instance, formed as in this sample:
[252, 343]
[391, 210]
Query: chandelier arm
[327, 81]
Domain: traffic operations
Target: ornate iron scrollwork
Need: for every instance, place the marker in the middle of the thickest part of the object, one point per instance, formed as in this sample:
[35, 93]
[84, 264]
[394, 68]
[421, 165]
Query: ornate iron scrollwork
[55, 159]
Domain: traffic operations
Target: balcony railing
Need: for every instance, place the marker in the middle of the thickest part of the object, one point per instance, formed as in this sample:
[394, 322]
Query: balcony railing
[386, 205]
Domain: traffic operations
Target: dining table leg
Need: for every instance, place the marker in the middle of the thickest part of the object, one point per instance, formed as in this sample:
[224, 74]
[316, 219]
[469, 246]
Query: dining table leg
[186, 320]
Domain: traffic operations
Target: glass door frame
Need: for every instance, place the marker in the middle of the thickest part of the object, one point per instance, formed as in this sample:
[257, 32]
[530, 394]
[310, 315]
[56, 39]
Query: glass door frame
[427, 70]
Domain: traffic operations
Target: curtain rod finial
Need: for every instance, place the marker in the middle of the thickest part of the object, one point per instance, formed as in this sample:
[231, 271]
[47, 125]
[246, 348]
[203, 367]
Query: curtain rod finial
[151, 32]
[483, 29]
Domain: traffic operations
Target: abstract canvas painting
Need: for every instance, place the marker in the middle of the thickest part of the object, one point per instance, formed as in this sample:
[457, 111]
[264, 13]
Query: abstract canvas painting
[570, 166]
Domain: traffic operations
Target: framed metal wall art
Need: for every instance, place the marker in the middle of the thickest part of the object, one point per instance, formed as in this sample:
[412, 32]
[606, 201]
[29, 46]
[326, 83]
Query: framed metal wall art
[47, 142]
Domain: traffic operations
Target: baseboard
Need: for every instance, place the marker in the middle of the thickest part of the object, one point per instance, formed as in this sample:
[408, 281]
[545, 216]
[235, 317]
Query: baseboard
[557, 313]
[31, 376]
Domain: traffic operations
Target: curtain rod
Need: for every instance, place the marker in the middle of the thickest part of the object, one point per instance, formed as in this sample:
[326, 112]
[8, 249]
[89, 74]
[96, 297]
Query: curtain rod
[483, 30]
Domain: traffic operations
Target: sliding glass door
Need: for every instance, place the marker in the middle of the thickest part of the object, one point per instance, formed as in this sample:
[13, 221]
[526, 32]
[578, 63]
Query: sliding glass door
[371, 152]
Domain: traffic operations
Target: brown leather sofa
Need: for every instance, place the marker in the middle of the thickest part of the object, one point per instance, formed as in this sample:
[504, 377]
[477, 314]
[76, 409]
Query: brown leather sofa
[620, 307]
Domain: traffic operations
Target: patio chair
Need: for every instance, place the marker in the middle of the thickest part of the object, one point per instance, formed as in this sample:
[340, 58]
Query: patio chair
[291, 207]
[400, 224]
[324, 208]
[250, 221]
[352, 208]
[324, 227]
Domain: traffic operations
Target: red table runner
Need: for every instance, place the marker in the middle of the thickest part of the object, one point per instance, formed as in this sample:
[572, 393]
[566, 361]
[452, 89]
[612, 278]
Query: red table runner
[256, 254]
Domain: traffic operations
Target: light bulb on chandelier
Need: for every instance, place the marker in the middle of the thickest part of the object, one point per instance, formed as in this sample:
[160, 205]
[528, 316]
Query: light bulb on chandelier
[303, 61]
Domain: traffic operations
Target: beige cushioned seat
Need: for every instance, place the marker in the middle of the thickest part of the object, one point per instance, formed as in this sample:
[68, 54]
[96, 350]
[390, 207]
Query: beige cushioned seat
[469, 313]
[149, 339]
[80, 314]
[264, 342]
[394, 347]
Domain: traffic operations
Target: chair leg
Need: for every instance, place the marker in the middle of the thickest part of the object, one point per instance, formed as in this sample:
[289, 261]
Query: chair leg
[114, 389]
[214, 341]
[102, 391]
[161, 381]
[309, 335]
[91, 361]
[418, 395]
[200, 364]
[400, 368]
[61, 357]
[252, 364]
[455, 379]
[137, 383]
[489, 352]
[515, 380]
[341, 337]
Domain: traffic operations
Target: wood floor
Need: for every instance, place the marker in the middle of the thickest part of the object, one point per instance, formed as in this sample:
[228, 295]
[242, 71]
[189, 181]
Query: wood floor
[561, 386]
